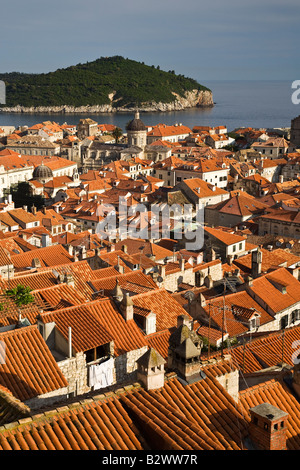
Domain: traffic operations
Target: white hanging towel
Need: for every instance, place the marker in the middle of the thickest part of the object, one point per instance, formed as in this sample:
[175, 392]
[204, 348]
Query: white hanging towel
[101, 375]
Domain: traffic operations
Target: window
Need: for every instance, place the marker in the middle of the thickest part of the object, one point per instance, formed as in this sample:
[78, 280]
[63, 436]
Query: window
[284, 322]
[234, 248]
[295, 315]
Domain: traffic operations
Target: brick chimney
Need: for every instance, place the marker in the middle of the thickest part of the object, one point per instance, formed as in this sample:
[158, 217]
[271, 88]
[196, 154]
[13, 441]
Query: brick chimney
[268, 427]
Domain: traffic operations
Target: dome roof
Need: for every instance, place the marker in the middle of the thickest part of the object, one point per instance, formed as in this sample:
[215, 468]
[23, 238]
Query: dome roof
[42, 171]
[136, 124]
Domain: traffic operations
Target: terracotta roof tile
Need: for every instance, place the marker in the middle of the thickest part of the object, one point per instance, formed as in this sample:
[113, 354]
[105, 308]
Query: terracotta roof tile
[30, 369]
[97, 323]
[278, 289]
[163, 304]
[279, 395]
[48, 256]
[267, 351]
[94, 426]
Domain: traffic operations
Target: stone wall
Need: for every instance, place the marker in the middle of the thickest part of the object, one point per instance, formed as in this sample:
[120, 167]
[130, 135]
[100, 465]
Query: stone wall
[125, 365]
[48, 399]
[230, 382]
[172, 280]
[75, 372]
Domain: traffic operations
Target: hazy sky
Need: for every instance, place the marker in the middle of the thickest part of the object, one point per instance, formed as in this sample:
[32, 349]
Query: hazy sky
[212, 40]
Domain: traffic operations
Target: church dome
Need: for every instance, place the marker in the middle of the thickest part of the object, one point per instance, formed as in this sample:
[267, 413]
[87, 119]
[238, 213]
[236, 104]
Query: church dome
[42, 172]
[136, 124]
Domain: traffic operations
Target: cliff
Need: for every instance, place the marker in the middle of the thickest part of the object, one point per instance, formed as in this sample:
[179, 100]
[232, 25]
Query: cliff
[193, 99]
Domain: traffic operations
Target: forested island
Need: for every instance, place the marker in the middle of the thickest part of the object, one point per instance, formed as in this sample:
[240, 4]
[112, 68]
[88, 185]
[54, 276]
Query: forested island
[105, 84]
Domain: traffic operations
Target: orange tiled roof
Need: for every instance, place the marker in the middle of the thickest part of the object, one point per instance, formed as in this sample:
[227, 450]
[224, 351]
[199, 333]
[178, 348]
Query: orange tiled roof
[268, 351]
[224, 236]
[201, 416]
[277, 257]
[161, 130]
[132, 281]
[279, 395]
[241, 204]
[97, 425]
[206, 189]
[233, 303]
[47, 277]
[153, 249]
[87, 332]
[102, 324]
[48, 256]
[160, 341]
[163, 304]
[5, 259]
[268, 289]
[56, 294]
[30, 369]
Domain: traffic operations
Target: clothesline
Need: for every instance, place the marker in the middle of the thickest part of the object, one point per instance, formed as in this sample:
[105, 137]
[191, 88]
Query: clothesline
[101, 375]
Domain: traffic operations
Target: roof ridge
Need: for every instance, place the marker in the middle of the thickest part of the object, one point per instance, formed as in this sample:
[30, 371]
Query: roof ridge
[17, 331]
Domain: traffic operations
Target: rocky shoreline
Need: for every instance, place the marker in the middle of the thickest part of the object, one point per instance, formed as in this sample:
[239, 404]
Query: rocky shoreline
[192, 99]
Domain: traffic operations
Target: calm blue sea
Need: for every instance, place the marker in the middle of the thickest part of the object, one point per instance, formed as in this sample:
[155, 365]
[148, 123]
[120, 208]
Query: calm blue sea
[237, 103]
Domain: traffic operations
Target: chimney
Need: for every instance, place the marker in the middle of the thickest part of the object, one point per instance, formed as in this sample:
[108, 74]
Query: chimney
[162, 270]
[230, 259]
[117, 293]
[256, 263]
[201, 300]
[181, 263]
[199, 278]
[280, 178]
[150, 369]
[208, 281]
[268, 427]
[82, 253]
[184, 320]
[69, 279]
[35, 263]
[33, 210]
[126, 307]
[119, 267]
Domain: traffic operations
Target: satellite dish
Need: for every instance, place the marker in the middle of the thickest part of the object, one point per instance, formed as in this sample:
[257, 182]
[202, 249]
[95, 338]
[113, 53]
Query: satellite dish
[160, 279]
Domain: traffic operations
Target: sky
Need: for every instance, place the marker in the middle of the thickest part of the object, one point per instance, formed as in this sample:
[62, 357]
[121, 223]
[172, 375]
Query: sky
[212, 40]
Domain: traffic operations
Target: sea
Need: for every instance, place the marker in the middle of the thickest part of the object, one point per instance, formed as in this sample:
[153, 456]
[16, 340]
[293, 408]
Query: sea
[257, 104]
